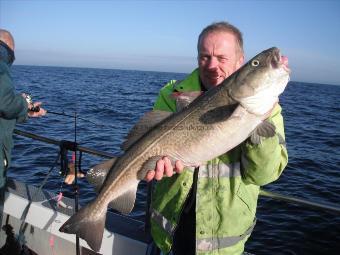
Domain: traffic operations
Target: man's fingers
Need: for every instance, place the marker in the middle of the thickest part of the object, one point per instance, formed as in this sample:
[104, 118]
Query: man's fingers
[179, 166]
[164, 167]
[168, 169]
[42, 112]
[149, 175]
[159, 170]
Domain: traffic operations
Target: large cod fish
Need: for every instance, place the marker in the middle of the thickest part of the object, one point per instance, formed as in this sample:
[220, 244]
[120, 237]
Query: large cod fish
[212, 124]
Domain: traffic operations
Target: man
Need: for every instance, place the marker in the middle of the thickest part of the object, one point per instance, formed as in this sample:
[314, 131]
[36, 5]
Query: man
[216, 214]
[13, 107]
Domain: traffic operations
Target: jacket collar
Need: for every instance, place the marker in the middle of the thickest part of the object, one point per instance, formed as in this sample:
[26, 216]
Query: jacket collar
[190, 83]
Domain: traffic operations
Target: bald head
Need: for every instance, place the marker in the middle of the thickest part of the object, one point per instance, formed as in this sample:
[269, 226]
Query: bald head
[7, 38]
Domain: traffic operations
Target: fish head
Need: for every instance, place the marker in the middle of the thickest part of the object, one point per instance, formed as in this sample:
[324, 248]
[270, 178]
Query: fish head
[258, 84]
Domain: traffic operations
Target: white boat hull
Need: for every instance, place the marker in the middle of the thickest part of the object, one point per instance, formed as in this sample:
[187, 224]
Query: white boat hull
[43, 218]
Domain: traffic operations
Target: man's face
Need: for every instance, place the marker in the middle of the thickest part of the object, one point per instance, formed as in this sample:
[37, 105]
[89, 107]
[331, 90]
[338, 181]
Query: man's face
[218, 58]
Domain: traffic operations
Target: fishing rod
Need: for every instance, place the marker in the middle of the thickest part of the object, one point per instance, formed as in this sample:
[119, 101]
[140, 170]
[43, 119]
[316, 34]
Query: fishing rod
[64, 147]
[37, 109]
[60, 113]
[75, 185]
[79, 118]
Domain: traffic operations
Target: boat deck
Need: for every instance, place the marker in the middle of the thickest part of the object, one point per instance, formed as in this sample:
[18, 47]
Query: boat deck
[43, 217]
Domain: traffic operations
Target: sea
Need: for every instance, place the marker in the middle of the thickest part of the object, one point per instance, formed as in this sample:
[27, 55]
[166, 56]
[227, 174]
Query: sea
[109, 102]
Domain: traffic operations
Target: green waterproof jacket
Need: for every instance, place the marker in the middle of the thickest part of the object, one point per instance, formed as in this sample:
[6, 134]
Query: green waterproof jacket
[13, 109]
[227, 187]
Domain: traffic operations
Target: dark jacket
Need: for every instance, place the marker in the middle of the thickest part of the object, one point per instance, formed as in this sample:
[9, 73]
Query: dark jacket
[13, 109]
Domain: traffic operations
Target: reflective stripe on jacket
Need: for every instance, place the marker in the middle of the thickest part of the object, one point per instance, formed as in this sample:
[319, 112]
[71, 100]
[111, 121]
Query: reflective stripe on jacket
[227, 187]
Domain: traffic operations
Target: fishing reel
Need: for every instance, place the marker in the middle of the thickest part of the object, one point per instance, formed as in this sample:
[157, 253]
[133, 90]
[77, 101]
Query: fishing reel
[29, 101]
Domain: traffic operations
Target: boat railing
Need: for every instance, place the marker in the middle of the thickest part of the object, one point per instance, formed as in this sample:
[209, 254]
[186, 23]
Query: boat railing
[273, 195]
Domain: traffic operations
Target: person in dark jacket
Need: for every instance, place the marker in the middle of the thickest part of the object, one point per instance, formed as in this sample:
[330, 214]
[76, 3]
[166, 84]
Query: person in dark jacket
[13, 108]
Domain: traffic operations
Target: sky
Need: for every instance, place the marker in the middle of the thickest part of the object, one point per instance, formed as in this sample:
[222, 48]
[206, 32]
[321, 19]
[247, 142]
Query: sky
[162, 35]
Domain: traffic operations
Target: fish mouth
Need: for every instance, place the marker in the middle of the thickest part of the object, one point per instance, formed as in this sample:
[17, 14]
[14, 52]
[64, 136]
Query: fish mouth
[279, 60]
[284, 62]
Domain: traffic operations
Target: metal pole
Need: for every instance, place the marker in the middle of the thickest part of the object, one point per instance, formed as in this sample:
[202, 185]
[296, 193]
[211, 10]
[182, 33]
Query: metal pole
[56, 142]
[276, 196]
[299, 201]
[76, 193]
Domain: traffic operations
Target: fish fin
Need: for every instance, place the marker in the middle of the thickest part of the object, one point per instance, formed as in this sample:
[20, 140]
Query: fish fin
[97, 174]
[255, 138]
[125, 202]
[265, 129]
[147, 122]
[86, 226]
[218, 114]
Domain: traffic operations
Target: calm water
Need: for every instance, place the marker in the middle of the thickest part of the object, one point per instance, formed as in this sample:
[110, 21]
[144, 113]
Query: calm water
[116, 99]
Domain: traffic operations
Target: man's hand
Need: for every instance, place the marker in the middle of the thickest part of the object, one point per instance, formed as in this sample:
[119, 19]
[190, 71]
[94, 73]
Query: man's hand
[31, 105]
[40, 113]
[164, 167]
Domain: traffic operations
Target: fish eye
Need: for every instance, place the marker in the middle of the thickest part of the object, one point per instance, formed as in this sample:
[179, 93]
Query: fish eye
[255, 62]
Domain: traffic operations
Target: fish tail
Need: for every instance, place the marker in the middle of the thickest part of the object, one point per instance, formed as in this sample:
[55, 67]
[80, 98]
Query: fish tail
[87, 226]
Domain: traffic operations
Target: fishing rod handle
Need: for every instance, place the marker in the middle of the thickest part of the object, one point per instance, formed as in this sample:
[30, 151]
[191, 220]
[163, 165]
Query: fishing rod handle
[29, 100]
[35, 109]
